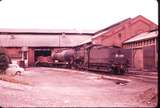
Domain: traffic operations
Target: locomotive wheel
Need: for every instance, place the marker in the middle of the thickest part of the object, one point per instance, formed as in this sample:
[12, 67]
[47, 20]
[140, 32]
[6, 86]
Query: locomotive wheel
[122, 71]
[118, 71]
[115, 70]
[37, 64]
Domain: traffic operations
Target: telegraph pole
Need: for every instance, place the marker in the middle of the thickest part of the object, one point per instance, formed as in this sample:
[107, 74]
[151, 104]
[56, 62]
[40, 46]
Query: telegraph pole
[158, 37]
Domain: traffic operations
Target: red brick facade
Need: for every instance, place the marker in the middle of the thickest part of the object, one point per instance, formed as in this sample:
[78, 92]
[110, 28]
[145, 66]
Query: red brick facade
[30, 56]
[13, 52]
[123, 31]
[115, 35]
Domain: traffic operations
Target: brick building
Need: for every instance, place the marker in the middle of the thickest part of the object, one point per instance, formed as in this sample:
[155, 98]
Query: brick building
[136, 34]
[116, 34]
[144, 50]
[27, 45]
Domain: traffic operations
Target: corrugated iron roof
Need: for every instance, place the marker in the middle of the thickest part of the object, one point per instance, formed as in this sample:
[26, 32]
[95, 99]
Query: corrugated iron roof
[86, 41]
[6, 30]
[42, 40]
[143, 36]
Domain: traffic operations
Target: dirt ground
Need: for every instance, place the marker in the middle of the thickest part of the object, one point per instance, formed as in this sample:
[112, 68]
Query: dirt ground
[51, 87]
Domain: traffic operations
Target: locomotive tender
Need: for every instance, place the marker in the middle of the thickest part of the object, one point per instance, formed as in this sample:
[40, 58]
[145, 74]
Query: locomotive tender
[103, 58]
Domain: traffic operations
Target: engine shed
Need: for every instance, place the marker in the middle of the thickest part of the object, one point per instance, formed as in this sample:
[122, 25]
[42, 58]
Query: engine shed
[137, 34]
[28, 45]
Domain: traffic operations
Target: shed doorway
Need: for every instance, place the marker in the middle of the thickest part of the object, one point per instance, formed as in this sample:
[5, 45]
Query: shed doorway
[41, 52]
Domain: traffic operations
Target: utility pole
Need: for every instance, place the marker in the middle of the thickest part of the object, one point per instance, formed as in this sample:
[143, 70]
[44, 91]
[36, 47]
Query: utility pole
[158, 39]
[59, 41]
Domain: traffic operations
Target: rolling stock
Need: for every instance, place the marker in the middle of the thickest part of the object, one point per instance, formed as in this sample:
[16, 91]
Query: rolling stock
[103, 58]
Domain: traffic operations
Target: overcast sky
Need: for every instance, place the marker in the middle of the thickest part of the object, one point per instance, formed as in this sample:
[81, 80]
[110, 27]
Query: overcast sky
[73, 14]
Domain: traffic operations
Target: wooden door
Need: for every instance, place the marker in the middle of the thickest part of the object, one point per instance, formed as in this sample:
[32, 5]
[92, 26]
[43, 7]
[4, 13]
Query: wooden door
[138, 58]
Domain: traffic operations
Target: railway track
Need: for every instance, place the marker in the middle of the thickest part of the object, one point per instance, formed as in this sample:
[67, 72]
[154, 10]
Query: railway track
[143, 77]
[149, 77]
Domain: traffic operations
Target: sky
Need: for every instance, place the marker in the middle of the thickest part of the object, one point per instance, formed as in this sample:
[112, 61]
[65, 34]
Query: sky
[73, 14]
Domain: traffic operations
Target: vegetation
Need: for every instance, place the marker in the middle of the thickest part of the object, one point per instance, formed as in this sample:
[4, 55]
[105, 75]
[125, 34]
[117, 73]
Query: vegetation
[4, 61]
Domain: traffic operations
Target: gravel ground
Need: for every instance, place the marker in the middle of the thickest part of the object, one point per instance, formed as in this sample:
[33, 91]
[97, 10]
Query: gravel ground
[51, 87]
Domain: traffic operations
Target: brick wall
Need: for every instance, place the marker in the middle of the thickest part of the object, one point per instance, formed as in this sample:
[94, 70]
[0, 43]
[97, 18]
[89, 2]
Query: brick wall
[117, 35]
[143, 54]
[31, 57]
[13, 52]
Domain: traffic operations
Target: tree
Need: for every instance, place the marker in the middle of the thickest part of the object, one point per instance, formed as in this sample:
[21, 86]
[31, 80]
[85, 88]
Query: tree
[4, 61]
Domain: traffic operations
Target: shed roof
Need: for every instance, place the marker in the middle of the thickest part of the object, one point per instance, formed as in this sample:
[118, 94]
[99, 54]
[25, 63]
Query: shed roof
[16, 30]
[42, 40]
[103, 32]
[143, 36]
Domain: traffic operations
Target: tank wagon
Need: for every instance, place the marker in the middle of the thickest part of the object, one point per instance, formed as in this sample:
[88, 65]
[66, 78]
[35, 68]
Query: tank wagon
[103, 58]
[64, 58]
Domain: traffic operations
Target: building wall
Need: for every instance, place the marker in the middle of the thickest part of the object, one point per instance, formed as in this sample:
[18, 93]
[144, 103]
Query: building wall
[149, 55]
[144, 55]
[31, 56]
[14, 52]
[117, 35]
[16, 55]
